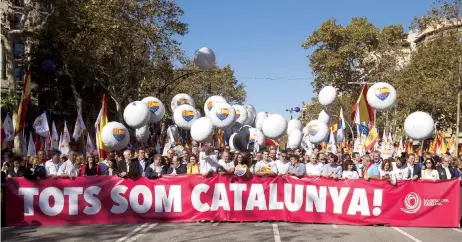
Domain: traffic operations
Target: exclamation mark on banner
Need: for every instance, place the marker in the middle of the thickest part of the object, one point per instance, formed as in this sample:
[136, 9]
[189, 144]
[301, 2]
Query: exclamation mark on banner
[378, 194]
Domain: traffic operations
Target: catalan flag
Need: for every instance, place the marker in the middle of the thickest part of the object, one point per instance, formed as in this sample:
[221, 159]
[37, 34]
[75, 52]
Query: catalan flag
[362, 112]
[24, 102]
[101, 121]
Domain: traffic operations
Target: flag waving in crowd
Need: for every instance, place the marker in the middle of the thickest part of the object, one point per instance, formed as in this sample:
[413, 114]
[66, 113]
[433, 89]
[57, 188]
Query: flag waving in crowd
[41, 125]
[79, 127]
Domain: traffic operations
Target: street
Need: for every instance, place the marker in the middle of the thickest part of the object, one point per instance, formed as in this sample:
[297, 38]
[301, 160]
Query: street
[278, 231]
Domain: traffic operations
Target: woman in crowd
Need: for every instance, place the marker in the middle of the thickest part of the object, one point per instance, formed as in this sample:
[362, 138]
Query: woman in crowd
[241, 167]
[349, 170]
[430, 172]
[90, 168]
[111, 168]
[79, 164]
[192, 168]
[176, 168]
[386, 169]
[18, 169]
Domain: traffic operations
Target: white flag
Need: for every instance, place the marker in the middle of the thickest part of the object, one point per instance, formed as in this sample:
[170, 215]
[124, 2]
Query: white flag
[90, 147]
[331, 147]
[341, 127]
[66, 139]
[41, 125]
[79, 127]
[54, 137]
[31, 146]
[8, 128]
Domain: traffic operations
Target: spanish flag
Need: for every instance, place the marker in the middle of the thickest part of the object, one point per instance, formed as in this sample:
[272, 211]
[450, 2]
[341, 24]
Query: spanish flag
[362, 112]
[221, 138]
[101, 121]
[25, 99]
[371, 139]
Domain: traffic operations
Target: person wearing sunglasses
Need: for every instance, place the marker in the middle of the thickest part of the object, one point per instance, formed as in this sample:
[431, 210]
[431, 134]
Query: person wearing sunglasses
[430, 172]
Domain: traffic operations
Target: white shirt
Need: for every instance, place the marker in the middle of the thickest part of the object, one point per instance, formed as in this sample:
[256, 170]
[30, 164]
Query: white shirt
[350, 174]
[226, 165]
[314, 170]
[208, 163]
[400, 173]
[268, 164]
[282, 167]
[432, 175]
[409, 174]
[52, 168]
[67, 168]
[448, 172]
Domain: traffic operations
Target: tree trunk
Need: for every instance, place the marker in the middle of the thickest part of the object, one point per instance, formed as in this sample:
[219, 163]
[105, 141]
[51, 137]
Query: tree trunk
[120, 115]
[78, 100]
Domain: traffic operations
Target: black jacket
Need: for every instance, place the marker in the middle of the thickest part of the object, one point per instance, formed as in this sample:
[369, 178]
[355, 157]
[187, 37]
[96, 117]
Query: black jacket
[33, 172]
[442, 172]
[134, 168]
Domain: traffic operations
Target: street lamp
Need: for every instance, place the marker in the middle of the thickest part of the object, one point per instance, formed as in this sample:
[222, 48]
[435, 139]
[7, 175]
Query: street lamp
[291, 110]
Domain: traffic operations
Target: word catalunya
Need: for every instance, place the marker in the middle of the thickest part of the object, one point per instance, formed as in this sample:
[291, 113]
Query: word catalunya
[224, 196]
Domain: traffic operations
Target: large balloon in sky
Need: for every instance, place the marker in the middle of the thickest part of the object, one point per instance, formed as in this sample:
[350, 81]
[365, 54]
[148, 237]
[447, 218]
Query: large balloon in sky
[202, 129]
[204, 58]
[317, 131]
[325, 117]
[261, 116]
[181, 98]
[419, 125]
[156, 107]
[295, 139]
[115, 136]
[137, 114]
[241, 114]
[327, 95]
[222, 115]
[184, 116]
[252, 114]
[274, 126]
[294, 124]
[381, 96]
[211, 101]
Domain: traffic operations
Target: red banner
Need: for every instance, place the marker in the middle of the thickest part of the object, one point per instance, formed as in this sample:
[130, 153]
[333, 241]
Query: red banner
[103, 200]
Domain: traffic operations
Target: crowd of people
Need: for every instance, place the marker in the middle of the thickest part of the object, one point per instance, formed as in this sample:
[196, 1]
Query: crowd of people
[207, 160]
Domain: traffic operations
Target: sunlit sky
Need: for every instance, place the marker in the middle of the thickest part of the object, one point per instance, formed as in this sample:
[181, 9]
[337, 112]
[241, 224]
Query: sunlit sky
[261, 40]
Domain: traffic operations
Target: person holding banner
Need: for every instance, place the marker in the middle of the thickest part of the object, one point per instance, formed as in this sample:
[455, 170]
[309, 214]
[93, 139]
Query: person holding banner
[413, 171]
[296, 168]
[241, 162]
[128, 167]
[192, 168]
[332, 169]
[266, 167]
[226, 165]
[67, 169]
[371, 170]
[111, 170]
[208, 163]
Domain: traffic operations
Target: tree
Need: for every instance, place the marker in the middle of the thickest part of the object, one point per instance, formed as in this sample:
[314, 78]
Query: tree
[358, 52]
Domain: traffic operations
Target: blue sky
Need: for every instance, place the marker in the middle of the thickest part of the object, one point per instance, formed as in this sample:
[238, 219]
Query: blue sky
[261, 40]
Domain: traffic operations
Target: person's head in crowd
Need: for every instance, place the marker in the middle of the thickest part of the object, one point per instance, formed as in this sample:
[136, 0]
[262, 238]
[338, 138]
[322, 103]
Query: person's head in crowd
[41, 155]
[127, 155]
[71, 156]
[141, 154]
[35, 161]
[346, 157]
[410, 159]
[294, 159]
[17, 160]
[306, 158]
[401, 161]
[32, 159]
[150, 152]
[458, 164]
[157, 160]
[265, 155]
[446, 161]
[236, 152]
[112, 163]
[225, 156]
[7, 156]
[333, 159]
[240, 160]
[283, 156]
[320, 156]
[387, 164]
[195, 151]
[185, 155]
[175, 161]
[298, 152]
[313, 158]
[216, 151]
[356, 158]
[165, 161]
[316, 151]
[366, 159]
[290, 151]
[258, 156]
[349, 165]
[63, 158]
[207, 149]
[192, 159]
[430, 164]
[110, 155]
[80, 160]
[376, 156]
[170, 153]
[272, 154]
[344, 150]
[91, 160]
[135, 154]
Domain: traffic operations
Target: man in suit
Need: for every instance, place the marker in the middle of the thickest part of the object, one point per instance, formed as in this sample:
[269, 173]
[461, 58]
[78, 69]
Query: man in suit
[144, 160]
[445, 171]
[413, 171]
[128, 167]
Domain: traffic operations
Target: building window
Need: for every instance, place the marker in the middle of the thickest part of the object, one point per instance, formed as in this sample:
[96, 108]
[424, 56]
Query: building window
[18, 48]
[18, 74]
[17, 20]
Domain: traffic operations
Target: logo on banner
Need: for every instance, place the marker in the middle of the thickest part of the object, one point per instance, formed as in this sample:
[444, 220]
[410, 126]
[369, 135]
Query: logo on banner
[210, 105]
[222, 113]
[182, 101]
[119, 134]
[188, 115]
[412, 202]
[153, 106]
[312, 130]
[240, 170]
[382, 93]
[238, 113]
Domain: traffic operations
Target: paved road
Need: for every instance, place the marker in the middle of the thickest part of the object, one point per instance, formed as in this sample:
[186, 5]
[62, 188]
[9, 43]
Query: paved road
[185, 232]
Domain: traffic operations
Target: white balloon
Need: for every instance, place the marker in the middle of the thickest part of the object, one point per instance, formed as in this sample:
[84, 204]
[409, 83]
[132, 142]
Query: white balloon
[251, 114]
[222, 115]
[241, 114]
[256, 136]
[156, 107]
[184, 116]
[208, 105]
[325, 117]
[198, 113]
[381, 96]
[231, 142]
[274, 126]
[142, 134]
[317, 131]
[295, 139]
[181, 98]
[419, 126]
[261, 116]
[202, 129]
[305, 130]
[115, 136]
[137, 114]
[327, 95]
[204, 58]
[294, 124]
